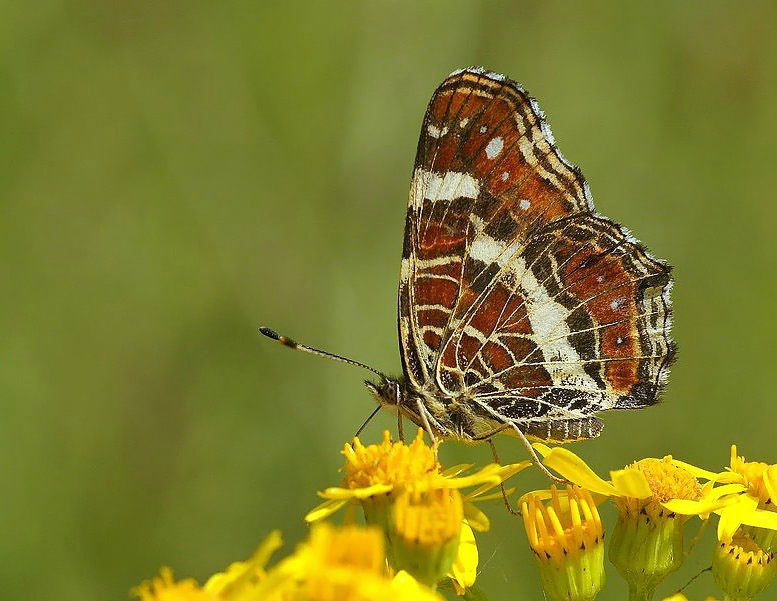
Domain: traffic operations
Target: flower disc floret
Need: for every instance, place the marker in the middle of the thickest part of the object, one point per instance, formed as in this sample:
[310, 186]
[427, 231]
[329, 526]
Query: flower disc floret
[374, 471]
[667, 482]
[389, 463]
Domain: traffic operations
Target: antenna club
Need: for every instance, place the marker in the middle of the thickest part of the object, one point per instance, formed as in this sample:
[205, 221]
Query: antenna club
[269, 333]
[276, 336]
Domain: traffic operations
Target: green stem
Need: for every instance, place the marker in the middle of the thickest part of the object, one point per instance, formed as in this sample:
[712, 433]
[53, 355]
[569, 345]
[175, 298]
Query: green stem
[640, 594]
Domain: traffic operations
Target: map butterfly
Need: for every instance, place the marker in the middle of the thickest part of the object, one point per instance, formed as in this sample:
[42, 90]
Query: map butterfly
[520, 309]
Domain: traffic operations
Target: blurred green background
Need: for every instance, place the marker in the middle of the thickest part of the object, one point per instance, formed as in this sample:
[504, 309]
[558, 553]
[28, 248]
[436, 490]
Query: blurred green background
[175, 174]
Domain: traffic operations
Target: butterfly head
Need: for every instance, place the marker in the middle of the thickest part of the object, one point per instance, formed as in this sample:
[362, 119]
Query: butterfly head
[387, 391]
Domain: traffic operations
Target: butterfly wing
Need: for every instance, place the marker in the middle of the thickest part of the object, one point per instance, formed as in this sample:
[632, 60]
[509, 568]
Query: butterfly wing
[513, 294]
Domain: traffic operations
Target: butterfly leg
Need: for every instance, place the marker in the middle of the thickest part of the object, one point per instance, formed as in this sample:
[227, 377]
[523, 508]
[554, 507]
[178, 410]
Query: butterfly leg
[400, 429]
[533, 456]
[501, 484]
[491, 433]
[424, 418]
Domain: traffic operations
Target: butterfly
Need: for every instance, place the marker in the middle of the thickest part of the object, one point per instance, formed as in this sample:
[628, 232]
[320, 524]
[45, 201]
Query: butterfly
[521, 310]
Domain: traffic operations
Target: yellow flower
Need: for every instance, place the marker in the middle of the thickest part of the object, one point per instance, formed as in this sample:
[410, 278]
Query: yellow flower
[654, 498]
[374, 471]
[656, 485]
[755, 506]
[340, 564]
[377, 475]
[336, 564]
[666, 482]
[759, 478]
[567, 539]
[741, 568]
[240, 580]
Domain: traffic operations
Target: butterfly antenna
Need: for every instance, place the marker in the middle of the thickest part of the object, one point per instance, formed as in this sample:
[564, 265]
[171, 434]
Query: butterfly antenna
[286, 341]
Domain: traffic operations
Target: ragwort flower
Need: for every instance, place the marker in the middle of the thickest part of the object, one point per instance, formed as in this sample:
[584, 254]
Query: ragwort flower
[342, 564]
[754, 509]
[567, 539]
[239, 581]
[377, 475]
[654, 498]
[335, 564]
[741, 568]
[374, 473]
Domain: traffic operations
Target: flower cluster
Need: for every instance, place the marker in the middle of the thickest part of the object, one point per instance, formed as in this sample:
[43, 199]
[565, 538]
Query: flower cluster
[654, 498]
[335, 564]
[420, 521]
[427, 521]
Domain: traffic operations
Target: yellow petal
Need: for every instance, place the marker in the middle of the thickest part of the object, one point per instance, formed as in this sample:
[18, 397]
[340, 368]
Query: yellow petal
[496, 477]
[734, 514]
[496, 495]
[483, 476]
[631, 483]
[698, 472]
[541, 448]
[770, 482]
[465, 567]
[476, 518]
[542, 495]
[324, 510]
[237, 579]
[457, 469]
[574, 469]
[406, 588]
[721, 491]
[337, 493]
[688, 507]
[728, 477]
[761, 519]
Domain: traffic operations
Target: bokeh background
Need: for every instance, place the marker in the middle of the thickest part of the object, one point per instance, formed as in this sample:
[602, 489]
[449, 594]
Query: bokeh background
[175, 174]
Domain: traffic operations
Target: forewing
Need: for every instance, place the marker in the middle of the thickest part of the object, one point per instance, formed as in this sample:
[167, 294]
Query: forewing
[486, 178]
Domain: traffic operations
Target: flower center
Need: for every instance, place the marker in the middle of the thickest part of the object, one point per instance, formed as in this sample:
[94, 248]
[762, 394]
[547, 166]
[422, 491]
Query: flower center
[388, 462]
[667, 481]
